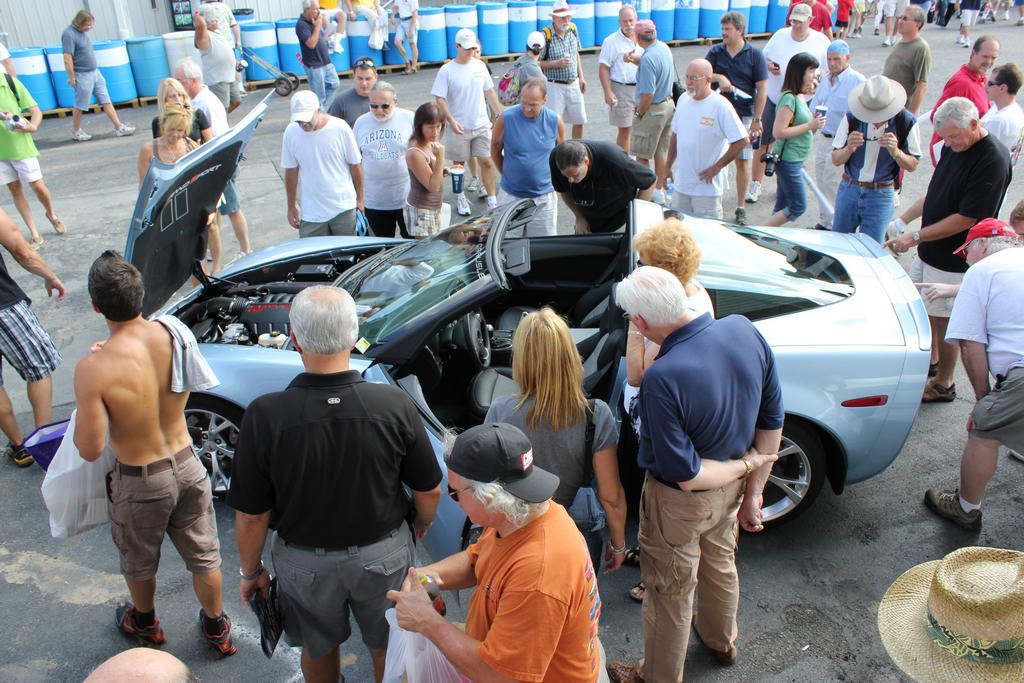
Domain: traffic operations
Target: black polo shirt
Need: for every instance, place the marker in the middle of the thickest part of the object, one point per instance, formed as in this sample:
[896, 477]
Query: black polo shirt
[328, 457]
[744, 71]
[971, 183]
[312, 57]
[611, 183]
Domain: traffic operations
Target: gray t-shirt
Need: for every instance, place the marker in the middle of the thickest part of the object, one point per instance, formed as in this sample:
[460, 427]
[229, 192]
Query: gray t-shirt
[559, 451]
[349, 105]
[77, 44]
[528, 68]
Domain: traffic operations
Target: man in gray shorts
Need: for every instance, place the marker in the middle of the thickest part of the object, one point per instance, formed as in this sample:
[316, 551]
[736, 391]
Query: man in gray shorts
[327, 460]
[158, 486]
[85, 77]
[988, 322]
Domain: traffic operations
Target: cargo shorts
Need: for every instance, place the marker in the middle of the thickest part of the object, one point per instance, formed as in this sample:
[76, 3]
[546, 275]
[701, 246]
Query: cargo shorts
[999, 415]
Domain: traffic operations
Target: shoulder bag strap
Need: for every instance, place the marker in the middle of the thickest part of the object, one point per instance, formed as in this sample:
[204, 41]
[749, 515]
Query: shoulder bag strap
[588, 446]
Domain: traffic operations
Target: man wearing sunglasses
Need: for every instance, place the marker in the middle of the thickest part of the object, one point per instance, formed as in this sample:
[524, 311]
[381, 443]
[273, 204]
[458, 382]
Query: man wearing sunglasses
[534, 615]
[354, 102]
[1005, 119]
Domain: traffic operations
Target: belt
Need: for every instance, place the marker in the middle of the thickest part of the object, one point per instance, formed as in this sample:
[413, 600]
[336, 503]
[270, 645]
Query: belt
[621, 83]
[331, 549]
[154, 467]
[653, 104]
[826, 135]
[870, 186]
[563, 82]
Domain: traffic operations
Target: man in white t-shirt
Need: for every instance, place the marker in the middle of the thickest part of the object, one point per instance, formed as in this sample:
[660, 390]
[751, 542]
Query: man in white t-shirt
[618, 77]
[383, 135]
[463, 88]
[1005, 120]
[707, 135]
[227, 26]
[988, 322]
[217, 54]
[324, 151]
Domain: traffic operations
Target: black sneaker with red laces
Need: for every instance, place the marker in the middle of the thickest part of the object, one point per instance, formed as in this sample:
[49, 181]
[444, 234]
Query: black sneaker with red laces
[221, 640]
[151, 636]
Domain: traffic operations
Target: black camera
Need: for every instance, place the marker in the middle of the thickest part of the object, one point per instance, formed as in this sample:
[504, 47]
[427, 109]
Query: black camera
[769, 160]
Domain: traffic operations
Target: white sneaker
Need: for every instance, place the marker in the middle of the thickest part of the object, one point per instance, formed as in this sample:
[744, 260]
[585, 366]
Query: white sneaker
[462, 204]
[80, 135]
[481, 190]
[1020, 22]
[124, 129]
[753, 192]
[474, 186]
[492, 202]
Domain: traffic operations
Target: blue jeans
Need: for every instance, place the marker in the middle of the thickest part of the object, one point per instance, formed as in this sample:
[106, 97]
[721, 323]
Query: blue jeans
[323, 80]
[868, 208]
[790, 195]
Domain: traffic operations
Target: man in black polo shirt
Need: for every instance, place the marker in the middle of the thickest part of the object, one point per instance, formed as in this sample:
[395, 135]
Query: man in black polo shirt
[742, 76]
[311, 28]
[323, 463]
[707, 447]
[597, 181]
[968, 185]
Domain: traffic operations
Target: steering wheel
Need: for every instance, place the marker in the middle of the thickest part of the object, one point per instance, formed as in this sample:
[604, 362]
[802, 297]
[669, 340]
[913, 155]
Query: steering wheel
[471, 334]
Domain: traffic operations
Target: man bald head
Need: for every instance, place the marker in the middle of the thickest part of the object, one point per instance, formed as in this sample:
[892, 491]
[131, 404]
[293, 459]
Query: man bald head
[144, 665]
[698, 79]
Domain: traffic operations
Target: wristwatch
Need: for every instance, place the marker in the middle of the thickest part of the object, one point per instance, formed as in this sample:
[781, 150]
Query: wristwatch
[756, 119]
[917, 236]
[255, 575]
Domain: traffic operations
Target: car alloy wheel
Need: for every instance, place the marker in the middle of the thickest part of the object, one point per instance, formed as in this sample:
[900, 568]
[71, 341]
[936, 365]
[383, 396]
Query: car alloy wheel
[213, 426]
[796, 477]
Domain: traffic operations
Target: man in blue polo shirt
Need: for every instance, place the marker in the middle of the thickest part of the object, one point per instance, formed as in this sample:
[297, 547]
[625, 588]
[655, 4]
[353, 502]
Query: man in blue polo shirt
[707, 447]
[311, 28]
[741, 73]
[873, 142]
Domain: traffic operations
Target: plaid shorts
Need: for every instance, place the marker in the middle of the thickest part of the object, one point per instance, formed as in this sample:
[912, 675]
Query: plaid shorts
[25, 344]
[422, 222]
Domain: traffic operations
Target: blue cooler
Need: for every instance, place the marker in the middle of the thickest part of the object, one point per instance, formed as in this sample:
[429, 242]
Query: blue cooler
[663, 14]
[687, 19]
[741, 6]
[112, 59]
[606, 19]
[758, 16]
[288, 52]
[359, 41]
[492, 18]
[711, 12]
[432, 36]
[456, 18]
[30, 63]
[522, 21]
[261, 38]
[778, 10]
[42, 444]
[584, 20]
[544, 8]
[149, 63]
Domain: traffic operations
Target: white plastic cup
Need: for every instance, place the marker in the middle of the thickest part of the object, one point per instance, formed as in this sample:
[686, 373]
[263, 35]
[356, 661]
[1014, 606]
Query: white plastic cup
[821, 110]
[457, 173]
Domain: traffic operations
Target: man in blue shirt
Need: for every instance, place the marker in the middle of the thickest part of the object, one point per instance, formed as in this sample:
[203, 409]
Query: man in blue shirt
[831, 94]
[521, 142]
[310, 29]
[711, 424]
[652, 122]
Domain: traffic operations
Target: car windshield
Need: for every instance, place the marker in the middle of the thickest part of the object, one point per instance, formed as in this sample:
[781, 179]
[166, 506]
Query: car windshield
[415, 277]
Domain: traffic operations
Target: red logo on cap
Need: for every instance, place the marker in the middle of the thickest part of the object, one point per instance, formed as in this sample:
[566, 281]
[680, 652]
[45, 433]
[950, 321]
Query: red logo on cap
[526, 459]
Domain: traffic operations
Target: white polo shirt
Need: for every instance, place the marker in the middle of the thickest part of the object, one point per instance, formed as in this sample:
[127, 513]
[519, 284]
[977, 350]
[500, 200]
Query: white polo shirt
[612, 49]
[323, 158]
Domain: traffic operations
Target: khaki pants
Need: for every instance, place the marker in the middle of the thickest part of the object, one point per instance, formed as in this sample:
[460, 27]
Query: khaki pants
[827, 176]
[687, 542]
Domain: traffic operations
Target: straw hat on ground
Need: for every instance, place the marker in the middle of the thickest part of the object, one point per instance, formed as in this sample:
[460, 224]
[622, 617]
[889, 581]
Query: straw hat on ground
[959, 619]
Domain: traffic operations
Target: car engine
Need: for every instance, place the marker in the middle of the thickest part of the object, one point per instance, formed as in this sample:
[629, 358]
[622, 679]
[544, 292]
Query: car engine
[244, 315]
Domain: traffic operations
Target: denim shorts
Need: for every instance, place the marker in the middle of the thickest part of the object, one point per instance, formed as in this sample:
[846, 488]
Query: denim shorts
[230, 203]
[87, 84]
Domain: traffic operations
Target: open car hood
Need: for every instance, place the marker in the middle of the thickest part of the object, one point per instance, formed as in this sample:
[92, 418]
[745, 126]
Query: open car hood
[167, 235]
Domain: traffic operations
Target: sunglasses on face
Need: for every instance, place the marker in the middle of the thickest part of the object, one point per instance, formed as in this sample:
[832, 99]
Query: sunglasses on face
[384, 106]
[454, 494]
[991, 83]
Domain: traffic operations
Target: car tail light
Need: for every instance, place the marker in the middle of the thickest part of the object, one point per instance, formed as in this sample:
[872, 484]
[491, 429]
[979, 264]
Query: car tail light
[866, 402]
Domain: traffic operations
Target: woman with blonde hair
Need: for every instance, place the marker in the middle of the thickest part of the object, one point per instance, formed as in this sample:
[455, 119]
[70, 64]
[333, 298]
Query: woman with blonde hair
[553, 412]
[171, 91]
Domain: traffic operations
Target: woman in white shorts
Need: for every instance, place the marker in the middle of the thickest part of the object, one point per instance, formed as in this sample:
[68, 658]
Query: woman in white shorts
[425, 158]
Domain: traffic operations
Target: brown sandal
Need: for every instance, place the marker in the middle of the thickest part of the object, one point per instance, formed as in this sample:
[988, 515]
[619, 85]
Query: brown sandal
[636, 593]
[624, 672]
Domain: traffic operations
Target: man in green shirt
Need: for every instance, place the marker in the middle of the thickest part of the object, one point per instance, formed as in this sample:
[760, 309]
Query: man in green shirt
[19, 159]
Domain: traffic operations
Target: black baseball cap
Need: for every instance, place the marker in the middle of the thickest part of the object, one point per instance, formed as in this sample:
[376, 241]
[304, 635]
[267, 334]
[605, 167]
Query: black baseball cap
[500, 453]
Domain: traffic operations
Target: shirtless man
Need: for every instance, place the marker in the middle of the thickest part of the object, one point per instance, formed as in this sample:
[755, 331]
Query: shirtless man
[158, 485]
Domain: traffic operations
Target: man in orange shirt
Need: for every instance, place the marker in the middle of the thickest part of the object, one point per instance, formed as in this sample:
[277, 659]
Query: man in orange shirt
[534, 615]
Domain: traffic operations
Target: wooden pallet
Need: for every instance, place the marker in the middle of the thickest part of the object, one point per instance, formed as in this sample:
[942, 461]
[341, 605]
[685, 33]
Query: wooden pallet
[64, 112]
[146, 101]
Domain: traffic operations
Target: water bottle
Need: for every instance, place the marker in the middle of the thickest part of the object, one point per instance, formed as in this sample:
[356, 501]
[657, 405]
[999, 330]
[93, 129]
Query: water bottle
[435, 594]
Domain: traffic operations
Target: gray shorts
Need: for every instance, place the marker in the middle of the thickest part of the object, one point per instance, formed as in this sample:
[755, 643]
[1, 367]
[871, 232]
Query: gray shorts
[1000, 414]
[222, 91]
[342, 224]
[320, 587]
[87, 84]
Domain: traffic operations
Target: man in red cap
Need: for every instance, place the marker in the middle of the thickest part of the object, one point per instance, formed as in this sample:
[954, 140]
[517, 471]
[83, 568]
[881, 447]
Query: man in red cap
[988, 323]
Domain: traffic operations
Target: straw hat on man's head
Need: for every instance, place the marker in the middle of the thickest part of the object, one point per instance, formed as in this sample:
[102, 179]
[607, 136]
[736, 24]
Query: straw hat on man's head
[877, 99]
[958, 619]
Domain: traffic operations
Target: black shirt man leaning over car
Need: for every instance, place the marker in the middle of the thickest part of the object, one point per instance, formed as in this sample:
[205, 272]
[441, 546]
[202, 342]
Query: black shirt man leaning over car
[324, 462]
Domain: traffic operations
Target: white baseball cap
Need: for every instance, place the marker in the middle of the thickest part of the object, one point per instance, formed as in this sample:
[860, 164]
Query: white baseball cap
[304, 105]
[466, 39]
[535, 39]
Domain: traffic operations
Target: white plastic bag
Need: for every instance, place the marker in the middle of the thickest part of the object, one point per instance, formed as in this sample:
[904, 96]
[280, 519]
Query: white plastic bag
[74, 489]
[412, 658]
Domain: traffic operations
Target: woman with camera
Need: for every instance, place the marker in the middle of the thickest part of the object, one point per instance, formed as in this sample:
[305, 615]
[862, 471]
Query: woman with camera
[794, 129]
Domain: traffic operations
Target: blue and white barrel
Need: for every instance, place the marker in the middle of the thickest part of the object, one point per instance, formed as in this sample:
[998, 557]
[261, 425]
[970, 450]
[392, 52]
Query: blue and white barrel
[778, 10]
[544, 8]
[606, 19]
[663, 14]
[456, 18]
[758, 16]
[112, 60]
[64, 93]
[261, 38]
[149, 63]
[642, 7]
[392, 56]
[180, 45]
[711, 12]
[687, 19]
[340, 60]
[433, 41]
[584, 20]
[30, 63]
[359, 41]
[288, 52]
[494, 27]
[743, 7]
[522, 21]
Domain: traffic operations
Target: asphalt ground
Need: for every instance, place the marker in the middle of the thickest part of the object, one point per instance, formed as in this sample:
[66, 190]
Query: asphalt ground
[810, 589]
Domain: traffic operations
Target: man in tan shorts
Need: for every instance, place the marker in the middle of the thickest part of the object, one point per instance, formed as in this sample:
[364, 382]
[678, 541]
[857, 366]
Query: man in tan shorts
[618, 76]
[158, 485]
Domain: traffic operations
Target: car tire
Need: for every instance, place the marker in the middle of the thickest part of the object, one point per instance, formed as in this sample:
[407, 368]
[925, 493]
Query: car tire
[796, 477]
[213, 425]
